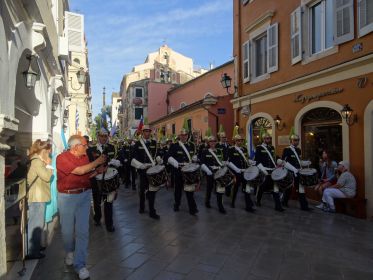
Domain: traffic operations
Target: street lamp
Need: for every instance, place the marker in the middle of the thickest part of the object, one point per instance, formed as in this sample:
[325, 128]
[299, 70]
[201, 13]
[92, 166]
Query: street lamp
[81, 76]
[346, 113]
[30, 75]
[226, 83]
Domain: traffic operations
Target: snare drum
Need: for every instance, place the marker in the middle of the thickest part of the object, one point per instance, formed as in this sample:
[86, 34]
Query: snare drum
[224, 178]
[157, 177]
[191, 176]
[282, 177]
[108, 181]
[308, 177]
[253, 176]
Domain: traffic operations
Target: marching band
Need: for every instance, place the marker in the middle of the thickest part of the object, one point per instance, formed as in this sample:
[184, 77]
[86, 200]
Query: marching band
[183, 166]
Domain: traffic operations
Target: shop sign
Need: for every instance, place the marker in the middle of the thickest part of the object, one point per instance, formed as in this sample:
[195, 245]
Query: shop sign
[308, 98]
[221, 111]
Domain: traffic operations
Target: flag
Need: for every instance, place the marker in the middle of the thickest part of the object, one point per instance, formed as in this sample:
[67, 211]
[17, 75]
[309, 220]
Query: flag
[251, 146]
[76, 120]
[141, 124]
[104, 119]
[113, 129]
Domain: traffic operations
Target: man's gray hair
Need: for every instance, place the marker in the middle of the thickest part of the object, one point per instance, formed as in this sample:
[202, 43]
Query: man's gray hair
[74, 140]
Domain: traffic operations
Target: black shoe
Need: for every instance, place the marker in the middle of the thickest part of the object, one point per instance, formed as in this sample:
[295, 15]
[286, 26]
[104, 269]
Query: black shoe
[222, 210]
[35, 256]
[154, 216]
[306, 209]
[208, 205]
[97, 223]
[193, 213]
[176, 208]
[141, 211]
[258, 203]
[42, 248]
[133, 188]
[251, 210]
[232, 205]
[196, 210]
[127, 186]
[110, 228]
[280, 209]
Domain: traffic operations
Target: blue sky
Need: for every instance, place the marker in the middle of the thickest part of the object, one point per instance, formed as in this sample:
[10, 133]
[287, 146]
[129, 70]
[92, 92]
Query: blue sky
[120, 33]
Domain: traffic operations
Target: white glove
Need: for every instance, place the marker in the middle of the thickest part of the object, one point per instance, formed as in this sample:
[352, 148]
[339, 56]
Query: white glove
[206, 170]
[215, 167]
[194, 158]
[291, 168]
[173, 162]
[305, 163]
[225, 163]
[135, 163]
[48, 166]
[252, 162]
[159, 160]
[280, 161]
[115, 163]
[243, 170]
[234, 167]
[262, 168]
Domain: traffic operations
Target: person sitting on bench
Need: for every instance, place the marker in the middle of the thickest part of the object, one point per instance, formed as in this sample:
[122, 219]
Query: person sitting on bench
[345, 187]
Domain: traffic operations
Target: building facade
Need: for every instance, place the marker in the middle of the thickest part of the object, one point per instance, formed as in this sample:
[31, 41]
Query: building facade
[203, 102]
[297, 66]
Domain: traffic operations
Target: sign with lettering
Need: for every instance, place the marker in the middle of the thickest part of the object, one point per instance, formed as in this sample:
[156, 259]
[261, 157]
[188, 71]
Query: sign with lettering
[308, 98]
[221, 111]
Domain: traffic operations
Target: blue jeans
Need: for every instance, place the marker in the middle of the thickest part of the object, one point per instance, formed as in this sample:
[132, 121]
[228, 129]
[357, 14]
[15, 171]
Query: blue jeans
[35, 226]
[74, 218]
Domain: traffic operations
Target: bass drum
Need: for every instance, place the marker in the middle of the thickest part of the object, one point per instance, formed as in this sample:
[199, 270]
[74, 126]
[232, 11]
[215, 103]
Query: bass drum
[253, 176]
[224, 178]
[282, 177]
[191, 176]
[157, 177]
[108, 181]
[308, 177]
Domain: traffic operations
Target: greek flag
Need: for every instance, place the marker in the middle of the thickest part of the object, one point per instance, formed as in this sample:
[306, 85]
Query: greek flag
[76, 119]
[251, 146]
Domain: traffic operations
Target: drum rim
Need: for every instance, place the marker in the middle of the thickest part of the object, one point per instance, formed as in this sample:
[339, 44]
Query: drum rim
[99, 176]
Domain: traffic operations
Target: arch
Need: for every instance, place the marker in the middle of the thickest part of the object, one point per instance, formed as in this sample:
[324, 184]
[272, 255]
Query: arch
[208, 94]
[328, 104]
[368, 159]
[260, 115]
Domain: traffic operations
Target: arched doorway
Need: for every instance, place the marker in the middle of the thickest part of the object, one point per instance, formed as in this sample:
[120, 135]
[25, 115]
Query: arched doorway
[258, 126]
[321, 129]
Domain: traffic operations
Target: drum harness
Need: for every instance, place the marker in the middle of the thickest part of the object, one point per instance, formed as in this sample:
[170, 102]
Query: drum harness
[216, 157]
[270, 156]
[301, 188]
[147, 151]
[185, 151]
[242, 154]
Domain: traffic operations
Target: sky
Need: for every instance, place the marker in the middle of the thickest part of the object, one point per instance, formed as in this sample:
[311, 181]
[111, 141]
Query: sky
[120, 34]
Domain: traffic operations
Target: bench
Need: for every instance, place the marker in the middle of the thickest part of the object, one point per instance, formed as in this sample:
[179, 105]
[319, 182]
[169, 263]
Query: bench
[355, 207]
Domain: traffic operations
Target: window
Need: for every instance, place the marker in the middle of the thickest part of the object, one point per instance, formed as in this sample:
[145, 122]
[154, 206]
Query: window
[343, 21]
[296, 37]
[365, 21]
[246, 65]
[173, 128]
[138, 113]
[321, 26]
[138, 92]
[260, 55]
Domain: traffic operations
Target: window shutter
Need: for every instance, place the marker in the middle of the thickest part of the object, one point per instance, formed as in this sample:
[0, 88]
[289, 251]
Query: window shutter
[296, 35]
[75, 31]
[343, 21]
[272, 48]
[365, 11]
[246, 61]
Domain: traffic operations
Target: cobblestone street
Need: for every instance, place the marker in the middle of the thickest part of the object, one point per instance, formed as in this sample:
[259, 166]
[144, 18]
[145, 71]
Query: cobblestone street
[239, 245]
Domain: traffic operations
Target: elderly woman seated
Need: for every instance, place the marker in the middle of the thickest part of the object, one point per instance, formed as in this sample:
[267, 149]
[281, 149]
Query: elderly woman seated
[345, 187]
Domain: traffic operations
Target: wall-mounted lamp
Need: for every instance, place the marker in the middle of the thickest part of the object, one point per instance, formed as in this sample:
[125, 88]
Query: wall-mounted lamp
[226, 83]
[30, 75]
[278, 123]
[347, 114]
[81, 76]
[246, 110]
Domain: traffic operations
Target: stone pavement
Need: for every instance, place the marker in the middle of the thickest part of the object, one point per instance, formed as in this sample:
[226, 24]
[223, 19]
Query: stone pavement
[239, 245]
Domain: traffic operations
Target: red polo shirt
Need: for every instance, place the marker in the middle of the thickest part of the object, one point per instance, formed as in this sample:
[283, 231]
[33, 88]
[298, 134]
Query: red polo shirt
[66, 163]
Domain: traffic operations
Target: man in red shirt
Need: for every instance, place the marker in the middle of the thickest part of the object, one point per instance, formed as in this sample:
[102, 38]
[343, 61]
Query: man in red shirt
[74, 200]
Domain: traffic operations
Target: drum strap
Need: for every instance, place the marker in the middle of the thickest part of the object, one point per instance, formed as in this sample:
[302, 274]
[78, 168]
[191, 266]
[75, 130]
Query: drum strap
[147, 151]
[269, 154]
[216, 157]
[296, 154]
[241, 153]
[185, 150]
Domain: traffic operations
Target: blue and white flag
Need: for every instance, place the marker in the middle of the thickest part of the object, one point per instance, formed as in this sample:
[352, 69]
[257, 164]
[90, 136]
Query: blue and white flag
[76, 119]
[113, 129]
[251, 146]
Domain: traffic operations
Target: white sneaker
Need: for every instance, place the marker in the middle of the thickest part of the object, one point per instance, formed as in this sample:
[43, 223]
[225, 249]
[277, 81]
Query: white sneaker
[320, 206]
[69, 259]
[83, 273]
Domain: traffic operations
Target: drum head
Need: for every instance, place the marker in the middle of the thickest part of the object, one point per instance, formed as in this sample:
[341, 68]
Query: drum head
[279, 174]
[307, 171]
[110, 173]
[220, 172]
[251, 173]
[155, 169]
[190, 167]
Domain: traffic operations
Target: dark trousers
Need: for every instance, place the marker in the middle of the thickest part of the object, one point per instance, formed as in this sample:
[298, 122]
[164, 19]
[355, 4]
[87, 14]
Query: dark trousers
[144, 188]
[302, 196]
[133, 177]
[241, 184]
[178, 191]
[210, 185]
[108, 206]
[127, 174]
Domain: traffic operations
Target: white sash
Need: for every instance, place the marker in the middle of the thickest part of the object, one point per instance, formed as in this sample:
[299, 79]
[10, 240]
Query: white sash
[296, 154]
[147, 151]
[270, 155]
[216, 157]
[241, 153]
[185, 150]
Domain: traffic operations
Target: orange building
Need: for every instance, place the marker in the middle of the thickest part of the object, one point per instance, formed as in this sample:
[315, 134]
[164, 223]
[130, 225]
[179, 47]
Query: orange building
[203, 102]
[298, 65]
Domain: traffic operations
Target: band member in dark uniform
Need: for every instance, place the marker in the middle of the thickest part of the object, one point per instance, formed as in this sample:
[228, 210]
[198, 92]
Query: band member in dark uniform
[211, 161]
[124, 157]
[181, 153]
[102, 147]
[145, 156]
[291, 155]
[223, 146]
[265, 158]
[238, 162]
[132, 170]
